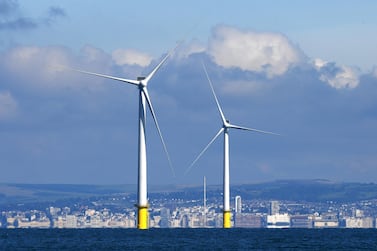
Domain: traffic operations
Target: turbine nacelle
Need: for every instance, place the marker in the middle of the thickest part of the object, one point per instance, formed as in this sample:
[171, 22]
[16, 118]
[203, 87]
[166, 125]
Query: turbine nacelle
[142, 81]
[227, 124]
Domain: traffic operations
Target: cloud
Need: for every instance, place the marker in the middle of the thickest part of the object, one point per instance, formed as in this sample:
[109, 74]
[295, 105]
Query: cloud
[46, 70]
[8, 105]
[337, 76]
[46, 67]
[91, 54]
[131, 57]
[56, 12]
[35, 63]
[270, 53]
[11, 18]
[96, 129]
[7, 7]
[265, 54]
[18, 24]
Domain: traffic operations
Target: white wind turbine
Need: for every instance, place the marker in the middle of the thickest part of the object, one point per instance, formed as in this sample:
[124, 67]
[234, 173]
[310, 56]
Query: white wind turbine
[224, 129]
[144, 102]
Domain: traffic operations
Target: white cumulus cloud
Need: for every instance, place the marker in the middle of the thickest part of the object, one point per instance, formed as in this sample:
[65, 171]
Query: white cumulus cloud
[337, 76]
[271, 53]
[47, 67]
[41, 62]
[131, 57]
[94, 55]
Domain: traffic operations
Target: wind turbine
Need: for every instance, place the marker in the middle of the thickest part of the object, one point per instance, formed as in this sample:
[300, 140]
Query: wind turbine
[224, 129]
[144, 102]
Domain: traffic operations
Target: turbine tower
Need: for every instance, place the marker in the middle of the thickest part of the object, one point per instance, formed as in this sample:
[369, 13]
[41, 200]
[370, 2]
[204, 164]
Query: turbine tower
[144, 102]
[224, 129]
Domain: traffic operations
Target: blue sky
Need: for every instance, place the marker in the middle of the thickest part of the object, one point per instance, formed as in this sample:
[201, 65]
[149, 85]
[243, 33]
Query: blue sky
[303, 69]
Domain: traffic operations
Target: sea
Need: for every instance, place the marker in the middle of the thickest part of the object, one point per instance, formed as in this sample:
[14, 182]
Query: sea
[188, 239]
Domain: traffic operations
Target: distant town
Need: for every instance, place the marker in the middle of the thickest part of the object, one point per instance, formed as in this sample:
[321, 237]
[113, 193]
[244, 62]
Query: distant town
[249, 214]
[175, 210]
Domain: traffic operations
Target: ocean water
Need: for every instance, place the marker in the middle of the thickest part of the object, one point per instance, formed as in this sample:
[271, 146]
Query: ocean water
[188, 239]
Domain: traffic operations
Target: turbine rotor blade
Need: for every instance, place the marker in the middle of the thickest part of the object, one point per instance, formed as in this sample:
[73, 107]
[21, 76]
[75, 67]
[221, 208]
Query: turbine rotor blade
[205, 149]
[150, 75]
[251, 129]
[129, 81]
[214, 94]
[146, 95]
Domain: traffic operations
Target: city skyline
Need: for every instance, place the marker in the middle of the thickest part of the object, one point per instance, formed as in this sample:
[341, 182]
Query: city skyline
[312, 81]
[173, 211]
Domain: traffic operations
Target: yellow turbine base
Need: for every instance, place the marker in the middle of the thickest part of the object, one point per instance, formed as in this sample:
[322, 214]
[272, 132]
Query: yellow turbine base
[226, 219]
[142, 222]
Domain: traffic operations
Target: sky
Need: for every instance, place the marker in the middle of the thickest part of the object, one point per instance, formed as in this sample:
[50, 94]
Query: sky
[303, 69]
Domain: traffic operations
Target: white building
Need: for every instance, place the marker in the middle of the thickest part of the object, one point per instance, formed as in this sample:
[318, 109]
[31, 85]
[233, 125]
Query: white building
[278, 221]
[325, 221]
[359, 222]
[70, 221]
[33, 224]
[195, 221]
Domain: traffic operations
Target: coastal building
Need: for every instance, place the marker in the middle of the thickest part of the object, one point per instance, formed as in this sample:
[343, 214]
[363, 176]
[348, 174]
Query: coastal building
[195, 221]
[301, 221]
[246, 220]
[25, 223]
[278, 221]
[70, 221]
[274, 207]
[325, 221]
[130, 221]
[359, 222]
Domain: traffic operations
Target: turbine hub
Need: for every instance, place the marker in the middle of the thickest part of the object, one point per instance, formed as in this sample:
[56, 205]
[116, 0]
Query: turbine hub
[226, 124]
[141, 81]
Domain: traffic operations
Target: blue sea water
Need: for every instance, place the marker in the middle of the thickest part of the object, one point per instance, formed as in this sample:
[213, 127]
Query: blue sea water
[188, 239]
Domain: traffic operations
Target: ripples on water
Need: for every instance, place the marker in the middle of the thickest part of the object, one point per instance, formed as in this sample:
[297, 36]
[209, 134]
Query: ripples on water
[188, 239]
